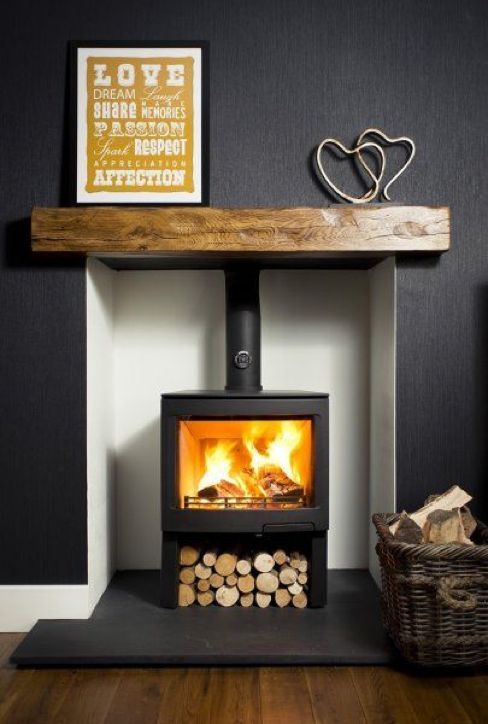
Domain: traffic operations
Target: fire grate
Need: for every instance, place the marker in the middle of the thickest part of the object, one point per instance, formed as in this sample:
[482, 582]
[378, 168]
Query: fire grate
[241, 503]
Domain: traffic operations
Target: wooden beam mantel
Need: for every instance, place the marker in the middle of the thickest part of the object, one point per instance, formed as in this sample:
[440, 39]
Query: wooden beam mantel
[331, 232]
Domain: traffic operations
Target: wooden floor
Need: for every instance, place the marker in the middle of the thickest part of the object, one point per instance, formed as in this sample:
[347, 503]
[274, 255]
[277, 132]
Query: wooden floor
[268, 695]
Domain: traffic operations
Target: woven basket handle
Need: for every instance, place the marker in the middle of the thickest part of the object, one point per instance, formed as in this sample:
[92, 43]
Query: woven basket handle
[450, 590]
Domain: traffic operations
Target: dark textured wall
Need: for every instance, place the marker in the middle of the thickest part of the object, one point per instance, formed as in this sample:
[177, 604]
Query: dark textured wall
[283, 75]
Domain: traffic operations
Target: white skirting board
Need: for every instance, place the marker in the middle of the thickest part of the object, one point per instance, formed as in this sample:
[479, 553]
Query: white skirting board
[22, 606]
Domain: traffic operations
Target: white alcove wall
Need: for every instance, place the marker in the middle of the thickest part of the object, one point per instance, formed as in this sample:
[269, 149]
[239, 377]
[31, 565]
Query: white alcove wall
[154, 331]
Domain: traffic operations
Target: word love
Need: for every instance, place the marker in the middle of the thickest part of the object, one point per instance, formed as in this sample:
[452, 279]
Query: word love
[173, 75]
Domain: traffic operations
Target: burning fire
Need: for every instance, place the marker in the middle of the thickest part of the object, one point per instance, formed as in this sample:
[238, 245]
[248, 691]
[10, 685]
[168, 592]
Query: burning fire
[261, 463]
[278, 451]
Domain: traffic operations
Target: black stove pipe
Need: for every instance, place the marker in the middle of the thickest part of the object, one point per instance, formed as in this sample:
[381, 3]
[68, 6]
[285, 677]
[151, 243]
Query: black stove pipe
[243, 330]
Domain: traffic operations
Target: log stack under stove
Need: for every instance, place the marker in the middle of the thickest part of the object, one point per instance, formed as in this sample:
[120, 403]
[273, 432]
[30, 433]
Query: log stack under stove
[229, 579]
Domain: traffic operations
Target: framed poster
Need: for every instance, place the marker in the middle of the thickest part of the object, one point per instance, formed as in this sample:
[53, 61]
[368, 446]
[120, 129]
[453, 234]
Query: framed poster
[139, 116]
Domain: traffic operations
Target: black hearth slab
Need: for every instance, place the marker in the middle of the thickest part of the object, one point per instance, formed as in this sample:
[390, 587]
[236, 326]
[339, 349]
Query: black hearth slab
[128, 628]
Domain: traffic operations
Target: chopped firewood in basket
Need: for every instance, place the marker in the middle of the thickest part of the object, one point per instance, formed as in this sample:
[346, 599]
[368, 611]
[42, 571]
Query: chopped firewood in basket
[455, 497]
[443, 519]
[408, 531]
[445, 526]
[469, 523]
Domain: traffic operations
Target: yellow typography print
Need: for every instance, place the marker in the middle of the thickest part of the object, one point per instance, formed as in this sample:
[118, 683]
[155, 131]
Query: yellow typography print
[140, 120]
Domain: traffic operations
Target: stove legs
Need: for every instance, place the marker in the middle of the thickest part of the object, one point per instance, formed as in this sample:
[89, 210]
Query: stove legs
[318, 570]
[170, 555]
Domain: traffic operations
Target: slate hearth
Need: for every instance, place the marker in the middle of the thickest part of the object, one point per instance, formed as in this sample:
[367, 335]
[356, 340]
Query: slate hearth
[129, 628]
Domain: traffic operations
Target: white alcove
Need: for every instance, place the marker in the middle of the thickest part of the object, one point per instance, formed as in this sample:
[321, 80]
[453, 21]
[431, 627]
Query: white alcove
[150, 332]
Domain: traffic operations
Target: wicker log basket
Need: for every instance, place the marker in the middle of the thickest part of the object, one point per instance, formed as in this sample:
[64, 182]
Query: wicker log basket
[435, 597]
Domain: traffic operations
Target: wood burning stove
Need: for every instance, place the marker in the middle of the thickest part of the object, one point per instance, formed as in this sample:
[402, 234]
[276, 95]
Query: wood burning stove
[242, 462]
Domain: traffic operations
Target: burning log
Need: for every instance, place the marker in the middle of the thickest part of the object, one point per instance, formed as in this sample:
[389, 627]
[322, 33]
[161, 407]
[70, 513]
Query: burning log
[276, 484]
[223, 489]
[252, 485]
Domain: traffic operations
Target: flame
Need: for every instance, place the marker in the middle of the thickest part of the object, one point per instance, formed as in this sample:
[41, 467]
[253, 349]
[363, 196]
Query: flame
[218, 463]
[264, 447]
[278, 451]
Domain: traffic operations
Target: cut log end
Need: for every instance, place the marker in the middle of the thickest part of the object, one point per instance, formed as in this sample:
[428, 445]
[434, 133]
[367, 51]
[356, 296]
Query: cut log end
[244, 566]
[209, 558]
[247, 600]
[186, 595]
[187, 574]
[227, 596]
[216, 580]
[263, 599]
[245, 584]
[282, 597]
[263, 562]
[288, 575]
[280, 557]
[189, 555]
[300, 600]
[205, 598]
[267, 582]
[226, 564]
[202, 571]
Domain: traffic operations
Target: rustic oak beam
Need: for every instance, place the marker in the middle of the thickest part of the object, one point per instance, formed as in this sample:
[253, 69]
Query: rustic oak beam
[371, 230]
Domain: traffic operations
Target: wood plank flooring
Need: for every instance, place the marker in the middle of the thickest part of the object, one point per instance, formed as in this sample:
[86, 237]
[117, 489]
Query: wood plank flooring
[342, 695]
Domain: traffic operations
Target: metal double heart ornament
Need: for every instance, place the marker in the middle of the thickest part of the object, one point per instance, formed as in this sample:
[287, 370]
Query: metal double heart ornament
[365, 143]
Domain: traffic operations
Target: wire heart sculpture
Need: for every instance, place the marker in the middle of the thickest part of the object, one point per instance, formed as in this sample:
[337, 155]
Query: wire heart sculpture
[359, 148]
[376, 133]
[369, 195]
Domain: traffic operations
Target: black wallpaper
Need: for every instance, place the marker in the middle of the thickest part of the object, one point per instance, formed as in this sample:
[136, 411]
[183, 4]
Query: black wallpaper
[283, 75]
